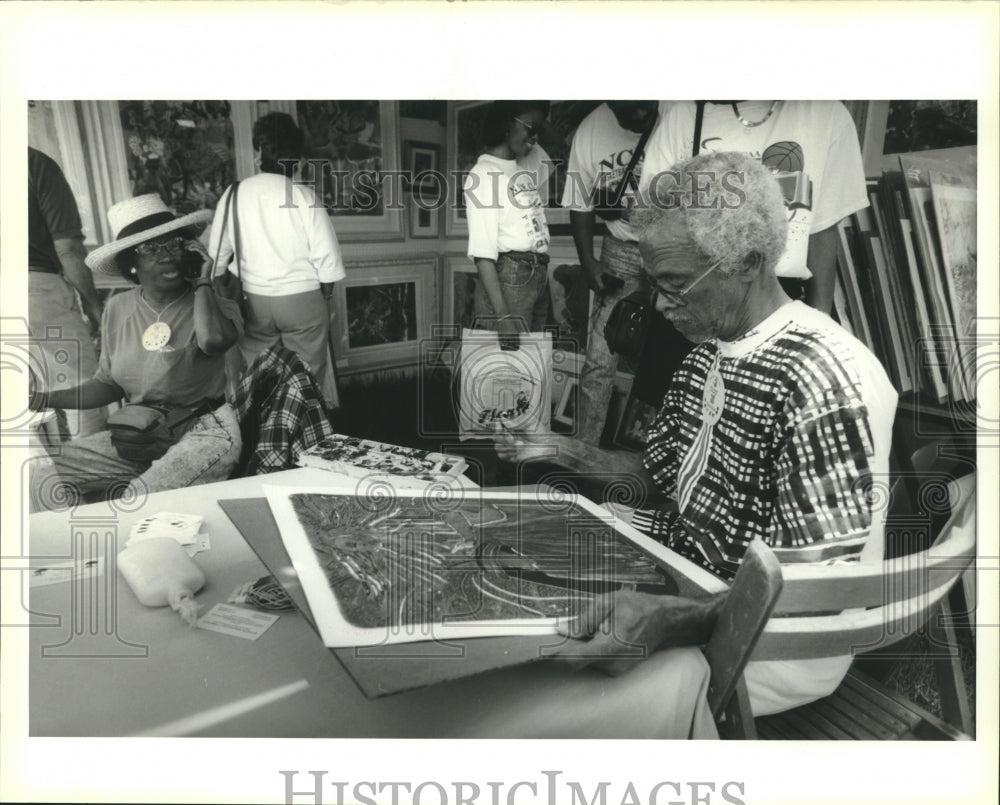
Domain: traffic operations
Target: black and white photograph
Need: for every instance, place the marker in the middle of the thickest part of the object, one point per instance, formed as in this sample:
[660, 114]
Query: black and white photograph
[730, 482]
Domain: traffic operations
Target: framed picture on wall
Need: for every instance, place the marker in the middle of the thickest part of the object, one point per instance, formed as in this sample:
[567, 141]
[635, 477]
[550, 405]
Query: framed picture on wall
[458, 285]
[420, 161]
[465, 144]
[352, 145]
[382, 312]
[424, 216]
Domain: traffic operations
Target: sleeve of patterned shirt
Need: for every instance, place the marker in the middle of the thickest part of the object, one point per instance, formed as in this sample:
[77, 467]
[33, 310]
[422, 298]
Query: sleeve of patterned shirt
[824, 474]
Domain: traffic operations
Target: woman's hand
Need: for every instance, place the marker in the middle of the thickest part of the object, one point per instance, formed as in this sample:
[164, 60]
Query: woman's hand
[207, 263]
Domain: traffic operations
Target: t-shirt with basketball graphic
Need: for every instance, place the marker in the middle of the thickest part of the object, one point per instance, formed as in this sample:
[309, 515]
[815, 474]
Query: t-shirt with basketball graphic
[812, 147]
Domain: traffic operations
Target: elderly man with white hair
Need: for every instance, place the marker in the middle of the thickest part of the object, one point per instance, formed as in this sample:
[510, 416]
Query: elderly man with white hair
[772, 429]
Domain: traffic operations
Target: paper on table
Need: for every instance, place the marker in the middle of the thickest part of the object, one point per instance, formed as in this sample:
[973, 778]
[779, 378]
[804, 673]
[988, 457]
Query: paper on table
[236, 621]
[403, 569]
[66, 571]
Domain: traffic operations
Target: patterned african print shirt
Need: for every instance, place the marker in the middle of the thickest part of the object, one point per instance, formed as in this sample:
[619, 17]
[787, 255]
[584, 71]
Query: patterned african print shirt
[804, 429]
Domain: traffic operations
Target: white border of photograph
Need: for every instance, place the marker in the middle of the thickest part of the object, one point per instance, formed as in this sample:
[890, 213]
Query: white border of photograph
[422, 271]
[337, 632]
[568, 398]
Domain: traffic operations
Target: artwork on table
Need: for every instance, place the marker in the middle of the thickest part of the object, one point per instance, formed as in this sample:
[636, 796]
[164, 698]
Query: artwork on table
[636, 420]
[181, 150]
[381, 313]
[405, 566]
[352, 144]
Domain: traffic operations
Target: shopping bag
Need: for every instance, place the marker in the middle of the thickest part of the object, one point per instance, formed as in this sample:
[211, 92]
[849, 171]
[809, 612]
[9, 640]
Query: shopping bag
[504, 389]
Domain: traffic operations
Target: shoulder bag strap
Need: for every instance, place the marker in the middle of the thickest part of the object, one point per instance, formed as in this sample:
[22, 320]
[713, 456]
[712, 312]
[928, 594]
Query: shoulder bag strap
[636, 156]
[236, 231]
[699, 116]
[225, 220]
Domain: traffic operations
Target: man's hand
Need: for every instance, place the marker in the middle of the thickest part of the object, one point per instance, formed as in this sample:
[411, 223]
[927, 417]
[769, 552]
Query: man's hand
[518, 447]
[594, 271]
[616, 631]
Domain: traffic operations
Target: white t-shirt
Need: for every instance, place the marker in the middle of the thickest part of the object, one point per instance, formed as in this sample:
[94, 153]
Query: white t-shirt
[287, 241]
[598, 158]
[812, 146]
[504, 208]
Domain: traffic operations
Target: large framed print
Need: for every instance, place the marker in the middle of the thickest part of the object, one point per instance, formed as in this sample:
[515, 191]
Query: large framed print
[382, 312]
[404, 566]
[352, 148]
[465, 144]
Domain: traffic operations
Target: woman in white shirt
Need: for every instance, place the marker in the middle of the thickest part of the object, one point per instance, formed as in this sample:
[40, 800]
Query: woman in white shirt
[508, 235]
[289, 253]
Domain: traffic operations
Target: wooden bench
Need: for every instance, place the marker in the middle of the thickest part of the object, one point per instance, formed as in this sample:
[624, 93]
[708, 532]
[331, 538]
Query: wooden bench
[782, 612]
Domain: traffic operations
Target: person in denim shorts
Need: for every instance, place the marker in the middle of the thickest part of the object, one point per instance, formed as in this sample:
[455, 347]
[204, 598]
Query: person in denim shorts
[508, 235]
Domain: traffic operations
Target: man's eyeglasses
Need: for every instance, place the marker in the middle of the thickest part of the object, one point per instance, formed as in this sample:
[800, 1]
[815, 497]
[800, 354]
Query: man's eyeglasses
[676, 297]
[151, 248]
[530, 128]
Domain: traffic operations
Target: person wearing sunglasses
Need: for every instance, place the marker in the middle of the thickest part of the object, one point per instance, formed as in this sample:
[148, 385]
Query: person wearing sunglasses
[772, 429]
[163, 343]
[508, 234]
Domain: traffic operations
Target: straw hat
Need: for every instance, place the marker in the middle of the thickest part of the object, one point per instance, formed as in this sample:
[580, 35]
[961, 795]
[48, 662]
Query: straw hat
[136, 220]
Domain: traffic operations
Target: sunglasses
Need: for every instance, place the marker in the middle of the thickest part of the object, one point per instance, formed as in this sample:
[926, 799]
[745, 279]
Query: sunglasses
[531, 129]
[677, 297]
[152, 248]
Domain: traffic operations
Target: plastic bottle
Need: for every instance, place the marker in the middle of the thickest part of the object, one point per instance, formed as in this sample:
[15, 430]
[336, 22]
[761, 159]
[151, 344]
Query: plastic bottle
[161, 573]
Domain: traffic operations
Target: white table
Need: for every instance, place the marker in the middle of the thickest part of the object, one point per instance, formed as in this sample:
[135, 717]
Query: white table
[101, 664]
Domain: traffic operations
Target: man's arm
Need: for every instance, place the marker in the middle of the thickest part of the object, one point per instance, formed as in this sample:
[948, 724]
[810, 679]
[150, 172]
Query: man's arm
[822, 262]
[570, 453]
[582, 224]
[71, 253]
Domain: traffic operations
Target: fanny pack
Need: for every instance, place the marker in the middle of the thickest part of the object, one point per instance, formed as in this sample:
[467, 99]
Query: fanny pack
[143, 432]
[628, 323]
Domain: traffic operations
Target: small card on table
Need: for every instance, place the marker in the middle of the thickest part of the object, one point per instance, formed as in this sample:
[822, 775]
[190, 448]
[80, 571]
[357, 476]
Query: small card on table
[236, 621]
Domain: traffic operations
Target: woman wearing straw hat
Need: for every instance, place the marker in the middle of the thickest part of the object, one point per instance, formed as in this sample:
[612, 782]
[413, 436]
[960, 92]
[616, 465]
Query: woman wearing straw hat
[164, 342]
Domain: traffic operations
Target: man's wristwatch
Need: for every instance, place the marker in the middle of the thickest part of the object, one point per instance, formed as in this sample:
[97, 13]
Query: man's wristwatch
[202, 283]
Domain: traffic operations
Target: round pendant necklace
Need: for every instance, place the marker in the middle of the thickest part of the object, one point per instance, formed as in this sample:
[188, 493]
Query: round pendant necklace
[713, 398]
[750, 124]
[156, 337]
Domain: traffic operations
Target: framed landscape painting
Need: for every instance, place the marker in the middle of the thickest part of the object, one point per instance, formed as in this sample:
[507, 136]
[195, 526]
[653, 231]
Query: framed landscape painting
[382, 312]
